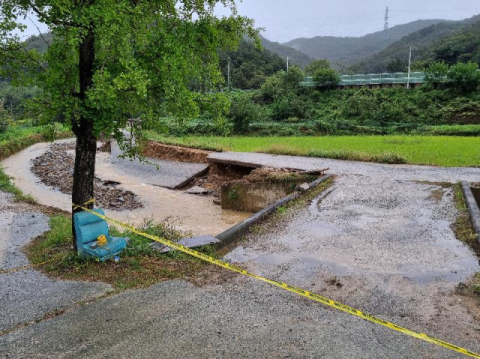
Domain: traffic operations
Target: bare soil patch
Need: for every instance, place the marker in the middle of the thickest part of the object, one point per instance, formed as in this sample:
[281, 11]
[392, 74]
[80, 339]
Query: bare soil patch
[175, 153]
[55, 169]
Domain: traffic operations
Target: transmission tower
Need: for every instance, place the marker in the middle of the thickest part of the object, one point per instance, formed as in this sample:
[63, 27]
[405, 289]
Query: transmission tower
[385, 29]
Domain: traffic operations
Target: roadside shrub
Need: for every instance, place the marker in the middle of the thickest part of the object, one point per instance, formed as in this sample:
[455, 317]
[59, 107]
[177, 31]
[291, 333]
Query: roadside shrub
[436, 73]
[462, 111]
[244, 111]
[316, 65]
[326, 78]
[288, 107]
[4, 118]
[464, 77]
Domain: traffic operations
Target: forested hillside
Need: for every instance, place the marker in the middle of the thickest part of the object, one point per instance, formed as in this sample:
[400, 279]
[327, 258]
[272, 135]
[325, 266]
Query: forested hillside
[447, 41]
[250, 66]
[296, 57]
[351, 49]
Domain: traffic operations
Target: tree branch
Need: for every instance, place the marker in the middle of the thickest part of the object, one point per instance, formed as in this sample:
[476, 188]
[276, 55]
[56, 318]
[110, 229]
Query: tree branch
[40, 32]
[45, 17]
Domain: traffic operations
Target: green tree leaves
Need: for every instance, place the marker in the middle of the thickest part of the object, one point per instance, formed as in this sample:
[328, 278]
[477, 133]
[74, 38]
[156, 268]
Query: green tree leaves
[326, 78]
[464, 77]
[146, 56]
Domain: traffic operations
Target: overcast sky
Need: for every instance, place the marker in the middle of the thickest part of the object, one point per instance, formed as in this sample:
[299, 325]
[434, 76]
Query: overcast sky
[285, 20]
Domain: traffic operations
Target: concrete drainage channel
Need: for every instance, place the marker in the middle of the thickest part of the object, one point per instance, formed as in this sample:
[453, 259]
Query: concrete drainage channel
[472, 197]
[242, 228]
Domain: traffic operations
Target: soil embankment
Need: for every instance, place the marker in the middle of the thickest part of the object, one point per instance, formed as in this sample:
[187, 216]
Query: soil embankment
[175, 153]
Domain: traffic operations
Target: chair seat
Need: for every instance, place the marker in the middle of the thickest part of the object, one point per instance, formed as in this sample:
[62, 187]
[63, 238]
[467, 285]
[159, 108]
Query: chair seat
[114, 246]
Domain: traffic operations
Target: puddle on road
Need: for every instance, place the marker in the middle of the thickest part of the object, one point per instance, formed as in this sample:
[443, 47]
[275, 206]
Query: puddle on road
[306, 263]
[191, 213]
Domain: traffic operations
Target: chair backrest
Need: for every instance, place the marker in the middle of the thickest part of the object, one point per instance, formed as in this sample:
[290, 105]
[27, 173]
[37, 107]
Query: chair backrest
[88, 227]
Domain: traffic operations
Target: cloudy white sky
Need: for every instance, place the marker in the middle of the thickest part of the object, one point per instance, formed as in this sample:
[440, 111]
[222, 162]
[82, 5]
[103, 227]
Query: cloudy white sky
[285, 20]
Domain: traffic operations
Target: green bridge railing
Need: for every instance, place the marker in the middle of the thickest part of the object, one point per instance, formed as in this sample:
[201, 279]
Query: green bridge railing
[400, 78]
[374, 79]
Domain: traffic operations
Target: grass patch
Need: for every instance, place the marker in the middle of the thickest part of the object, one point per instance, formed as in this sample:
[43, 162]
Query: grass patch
[6, 185]
[448, 151]
[463, 225]
[139, 266]
[16, 139]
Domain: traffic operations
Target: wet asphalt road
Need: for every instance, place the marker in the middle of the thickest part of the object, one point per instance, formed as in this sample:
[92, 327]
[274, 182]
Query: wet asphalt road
[27, 295]
[379, 242]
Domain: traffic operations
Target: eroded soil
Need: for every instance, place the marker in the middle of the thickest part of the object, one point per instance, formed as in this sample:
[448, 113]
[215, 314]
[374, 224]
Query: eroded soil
[55, 169]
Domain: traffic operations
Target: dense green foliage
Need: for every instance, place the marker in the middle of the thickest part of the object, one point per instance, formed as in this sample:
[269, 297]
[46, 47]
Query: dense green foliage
[316, 65]
[4, 119]
[307, 112]
[250, 66]
[464, 77]
[461, 77]
[16, 99]
[326, 78]
[350, 49]
[147, 53]
[436, 73]
[440, 151]
[283, 107]
[113, 61]
[449, 41]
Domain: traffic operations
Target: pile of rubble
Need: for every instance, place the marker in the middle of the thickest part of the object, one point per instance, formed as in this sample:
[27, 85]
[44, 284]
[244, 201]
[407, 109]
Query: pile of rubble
[55, 169]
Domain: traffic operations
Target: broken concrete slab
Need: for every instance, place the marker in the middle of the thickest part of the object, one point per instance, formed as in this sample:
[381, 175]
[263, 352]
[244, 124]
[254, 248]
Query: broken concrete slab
[373, 170]
[168, 174]
[197, 190]
[187, 242]
[257, 160]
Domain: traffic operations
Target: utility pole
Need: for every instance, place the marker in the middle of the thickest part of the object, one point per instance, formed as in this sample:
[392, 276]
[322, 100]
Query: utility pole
[288, 58]
[409, 67]
[229, 60]
[385, 28]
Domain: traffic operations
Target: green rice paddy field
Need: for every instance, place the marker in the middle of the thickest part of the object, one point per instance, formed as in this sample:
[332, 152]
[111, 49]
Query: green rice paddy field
[424, 150]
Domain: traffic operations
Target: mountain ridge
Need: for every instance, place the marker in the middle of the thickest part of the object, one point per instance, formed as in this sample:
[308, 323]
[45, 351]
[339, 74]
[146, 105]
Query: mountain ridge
[350, 49]
[446, 41]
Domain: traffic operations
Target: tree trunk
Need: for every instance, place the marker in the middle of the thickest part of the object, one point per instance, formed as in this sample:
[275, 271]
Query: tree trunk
[86, 147]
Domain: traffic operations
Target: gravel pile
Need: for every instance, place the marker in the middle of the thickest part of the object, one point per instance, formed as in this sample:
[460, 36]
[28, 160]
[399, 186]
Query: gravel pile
[55, 169]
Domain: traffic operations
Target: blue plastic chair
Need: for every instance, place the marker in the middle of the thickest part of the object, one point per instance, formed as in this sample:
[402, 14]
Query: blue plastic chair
[88, 227]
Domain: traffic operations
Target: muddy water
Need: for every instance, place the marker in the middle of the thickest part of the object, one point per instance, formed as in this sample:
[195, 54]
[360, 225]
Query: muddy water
[194, 214]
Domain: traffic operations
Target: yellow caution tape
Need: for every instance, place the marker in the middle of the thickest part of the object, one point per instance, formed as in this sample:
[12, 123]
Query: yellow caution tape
[6, 271]
[290, 288]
